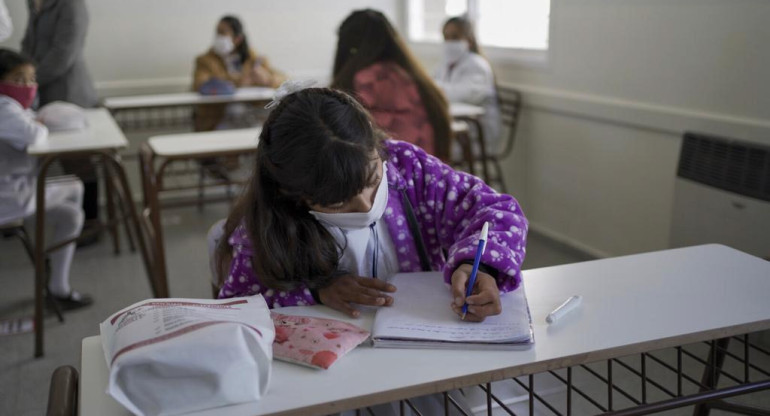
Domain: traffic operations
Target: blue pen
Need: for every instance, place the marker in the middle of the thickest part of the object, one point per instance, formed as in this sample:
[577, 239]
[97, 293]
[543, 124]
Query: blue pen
[476, 261]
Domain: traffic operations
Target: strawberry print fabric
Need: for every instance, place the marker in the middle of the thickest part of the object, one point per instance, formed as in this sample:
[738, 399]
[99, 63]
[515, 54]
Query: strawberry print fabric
[315, 342]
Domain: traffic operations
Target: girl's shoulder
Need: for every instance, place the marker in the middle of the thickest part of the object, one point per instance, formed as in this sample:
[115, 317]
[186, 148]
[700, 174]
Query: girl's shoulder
[11, 109]
[477, 62]
[239, 237]
[408, 158]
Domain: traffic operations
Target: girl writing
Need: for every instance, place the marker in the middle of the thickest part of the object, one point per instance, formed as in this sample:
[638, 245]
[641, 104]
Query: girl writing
[334, 208]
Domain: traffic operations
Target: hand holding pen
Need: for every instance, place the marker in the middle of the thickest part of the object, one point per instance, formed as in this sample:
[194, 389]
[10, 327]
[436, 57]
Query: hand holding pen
[475, 293]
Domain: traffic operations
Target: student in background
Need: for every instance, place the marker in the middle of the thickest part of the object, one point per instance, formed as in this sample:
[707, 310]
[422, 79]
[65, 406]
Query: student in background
[230, 60]
[19, 129]
[465, 76]
[326, 216]
[374, 64]
[55, 38]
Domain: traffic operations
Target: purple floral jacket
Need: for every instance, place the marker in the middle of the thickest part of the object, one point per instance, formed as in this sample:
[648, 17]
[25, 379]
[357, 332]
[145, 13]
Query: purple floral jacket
[451, 208]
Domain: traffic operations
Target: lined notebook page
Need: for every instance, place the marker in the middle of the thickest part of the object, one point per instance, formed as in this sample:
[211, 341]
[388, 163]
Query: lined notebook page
[421, 312]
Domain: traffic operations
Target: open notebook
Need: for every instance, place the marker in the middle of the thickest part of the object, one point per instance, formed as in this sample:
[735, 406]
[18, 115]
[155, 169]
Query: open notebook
[421, 317]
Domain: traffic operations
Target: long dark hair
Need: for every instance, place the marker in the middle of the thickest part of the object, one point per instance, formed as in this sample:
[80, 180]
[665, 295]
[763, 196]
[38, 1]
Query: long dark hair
[236, 26]
[316, 147]
[10, 60]
[367, 37]
[466, 27]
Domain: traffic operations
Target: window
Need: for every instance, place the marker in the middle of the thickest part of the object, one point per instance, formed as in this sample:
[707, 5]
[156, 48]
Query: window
[501, 25]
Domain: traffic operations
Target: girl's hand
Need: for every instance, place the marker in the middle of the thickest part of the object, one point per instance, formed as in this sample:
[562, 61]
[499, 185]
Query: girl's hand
[484, 300]
[347, 290]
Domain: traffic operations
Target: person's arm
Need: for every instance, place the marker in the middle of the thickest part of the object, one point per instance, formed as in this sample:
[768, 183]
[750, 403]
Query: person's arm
[275, 77]
[243, 281]
[68, 39]
[455, 206]
[201, 73]
[6, 25]
[19, 129]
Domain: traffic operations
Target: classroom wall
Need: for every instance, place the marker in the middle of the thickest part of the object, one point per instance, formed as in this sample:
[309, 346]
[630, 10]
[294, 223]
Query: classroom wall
[599, 141]
[599, 138]
[148, 46]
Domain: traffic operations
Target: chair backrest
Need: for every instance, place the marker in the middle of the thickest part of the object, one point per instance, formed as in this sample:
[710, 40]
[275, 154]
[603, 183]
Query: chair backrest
[509, 101]
[213, 238]
[63, 393]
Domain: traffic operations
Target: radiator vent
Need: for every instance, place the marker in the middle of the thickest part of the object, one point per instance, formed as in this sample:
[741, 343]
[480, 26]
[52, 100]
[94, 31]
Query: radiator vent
[726, 164]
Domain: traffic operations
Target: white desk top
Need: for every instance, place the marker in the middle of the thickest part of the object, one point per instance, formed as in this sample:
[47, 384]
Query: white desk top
[187, 98]
[102, 133]
[630, 304]
[170, 145]
[465, 110]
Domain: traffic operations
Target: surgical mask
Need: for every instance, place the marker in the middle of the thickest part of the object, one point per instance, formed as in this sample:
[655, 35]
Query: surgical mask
[454, 50]
[24, 94]
[223, 45]
[358, 220]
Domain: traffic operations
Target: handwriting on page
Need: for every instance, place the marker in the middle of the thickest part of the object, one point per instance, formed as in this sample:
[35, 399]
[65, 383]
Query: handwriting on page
[471, 332]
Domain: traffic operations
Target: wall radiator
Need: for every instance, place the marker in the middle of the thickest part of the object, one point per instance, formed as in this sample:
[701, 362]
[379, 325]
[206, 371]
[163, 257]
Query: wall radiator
[722, 194]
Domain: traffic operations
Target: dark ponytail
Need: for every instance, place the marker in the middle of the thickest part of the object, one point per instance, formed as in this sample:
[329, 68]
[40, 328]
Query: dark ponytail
[316, 147]
[243, 50]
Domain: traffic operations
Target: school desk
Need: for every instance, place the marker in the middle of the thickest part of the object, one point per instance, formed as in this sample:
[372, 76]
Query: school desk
[159, 152]
[159, 109]
[631, 306]
[100, 140]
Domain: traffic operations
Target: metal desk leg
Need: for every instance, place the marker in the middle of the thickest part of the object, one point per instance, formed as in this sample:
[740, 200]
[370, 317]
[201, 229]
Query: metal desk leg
[156, 275]
[40, 256]
[150, 186]
[111, 217]
[710, 378]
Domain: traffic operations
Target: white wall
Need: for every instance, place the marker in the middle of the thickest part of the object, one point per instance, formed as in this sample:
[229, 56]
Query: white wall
[599, 140]
[600, 136]
[149, 45]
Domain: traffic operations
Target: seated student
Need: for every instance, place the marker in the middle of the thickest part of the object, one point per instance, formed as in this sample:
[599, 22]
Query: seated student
[465, 76]
[230, 60]
[326, 216]
[374, 64]
[64, 212]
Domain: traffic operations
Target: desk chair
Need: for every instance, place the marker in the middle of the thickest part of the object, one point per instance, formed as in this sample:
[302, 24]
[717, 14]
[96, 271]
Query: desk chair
[16, 229]
[213, 237]
[461, 131]
[509, 101]
[63, 393]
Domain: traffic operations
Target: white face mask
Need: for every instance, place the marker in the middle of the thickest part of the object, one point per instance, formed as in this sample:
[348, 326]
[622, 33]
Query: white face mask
[454, 50]
[357, 220]
[223, 45]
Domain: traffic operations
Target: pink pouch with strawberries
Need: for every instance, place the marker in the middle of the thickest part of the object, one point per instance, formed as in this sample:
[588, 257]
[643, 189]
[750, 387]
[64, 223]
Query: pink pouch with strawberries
[315, 342]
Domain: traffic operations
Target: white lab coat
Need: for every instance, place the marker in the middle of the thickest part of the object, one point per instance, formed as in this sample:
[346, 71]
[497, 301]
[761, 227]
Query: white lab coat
[18, 182]
[18, 170]
[471, 81]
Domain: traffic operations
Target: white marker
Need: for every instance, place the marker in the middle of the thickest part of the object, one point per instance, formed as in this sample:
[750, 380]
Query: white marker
[563, 309]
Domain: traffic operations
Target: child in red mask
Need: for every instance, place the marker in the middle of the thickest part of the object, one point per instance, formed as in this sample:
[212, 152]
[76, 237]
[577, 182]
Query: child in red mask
[18, 175]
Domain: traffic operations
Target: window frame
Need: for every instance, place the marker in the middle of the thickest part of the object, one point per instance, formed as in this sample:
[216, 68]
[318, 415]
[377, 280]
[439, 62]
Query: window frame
[529, 58]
